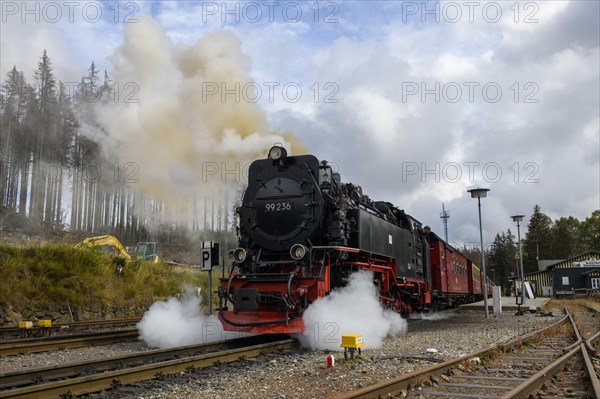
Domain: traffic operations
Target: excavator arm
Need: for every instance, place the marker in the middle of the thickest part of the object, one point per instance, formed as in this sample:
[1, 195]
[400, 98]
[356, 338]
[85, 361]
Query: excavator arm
[110, 241]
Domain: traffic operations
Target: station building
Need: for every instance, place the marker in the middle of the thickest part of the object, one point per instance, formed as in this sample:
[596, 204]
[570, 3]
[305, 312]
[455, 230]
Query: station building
[579, 275]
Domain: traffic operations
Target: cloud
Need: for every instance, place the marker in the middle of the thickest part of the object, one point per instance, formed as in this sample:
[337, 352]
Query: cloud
[542, 55]
[541, 133]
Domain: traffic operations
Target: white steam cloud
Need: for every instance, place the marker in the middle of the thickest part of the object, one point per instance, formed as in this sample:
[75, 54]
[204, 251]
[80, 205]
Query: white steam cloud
[177, 322]
[353, 309]
[181, 114]
[432, 316]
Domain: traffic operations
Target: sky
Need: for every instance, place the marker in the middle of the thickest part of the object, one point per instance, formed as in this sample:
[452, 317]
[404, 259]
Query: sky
[415, 101]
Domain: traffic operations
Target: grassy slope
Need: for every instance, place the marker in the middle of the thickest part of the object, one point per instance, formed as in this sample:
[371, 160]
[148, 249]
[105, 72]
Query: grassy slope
[47, 277]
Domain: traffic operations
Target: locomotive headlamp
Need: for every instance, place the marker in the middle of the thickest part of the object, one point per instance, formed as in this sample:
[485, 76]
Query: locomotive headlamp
[298, 251]
[239, 255]
[276, 153]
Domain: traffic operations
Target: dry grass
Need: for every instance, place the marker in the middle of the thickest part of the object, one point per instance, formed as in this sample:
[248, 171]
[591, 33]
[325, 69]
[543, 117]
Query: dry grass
[49, 276]
[578, 304]
[577, 307]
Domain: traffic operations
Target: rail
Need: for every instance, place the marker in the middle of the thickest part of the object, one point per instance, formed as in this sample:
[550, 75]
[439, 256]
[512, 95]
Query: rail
[34, 345]
[101, 380]
[490, 384]
[64, 329]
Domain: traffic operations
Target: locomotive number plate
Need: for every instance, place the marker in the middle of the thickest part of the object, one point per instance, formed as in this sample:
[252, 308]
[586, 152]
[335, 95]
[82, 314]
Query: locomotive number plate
[279, 206]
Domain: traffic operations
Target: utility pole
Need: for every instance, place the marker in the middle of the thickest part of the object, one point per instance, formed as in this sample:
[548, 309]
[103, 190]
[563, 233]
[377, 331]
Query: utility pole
[518, 219]
[445, 215]
[480, 193]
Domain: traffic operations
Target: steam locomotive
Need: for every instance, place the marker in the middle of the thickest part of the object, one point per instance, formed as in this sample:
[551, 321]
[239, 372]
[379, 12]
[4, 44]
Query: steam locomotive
[302, 232]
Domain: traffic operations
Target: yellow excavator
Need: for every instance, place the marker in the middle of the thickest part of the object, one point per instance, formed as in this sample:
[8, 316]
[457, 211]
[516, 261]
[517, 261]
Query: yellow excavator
[143, 250]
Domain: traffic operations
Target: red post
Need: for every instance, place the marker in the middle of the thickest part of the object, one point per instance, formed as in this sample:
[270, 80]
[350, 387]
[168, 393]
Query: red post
[330, 361]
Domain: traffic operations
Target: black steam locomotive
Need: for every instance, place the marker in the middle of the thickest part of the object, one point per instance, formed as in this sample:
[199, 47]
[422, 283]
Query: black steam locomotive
[302, 232]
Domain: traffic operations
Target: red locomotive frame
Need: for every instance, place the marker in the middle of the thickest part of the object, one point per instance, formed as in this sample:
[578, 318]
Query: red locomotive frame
[450, 286]
[301, 287]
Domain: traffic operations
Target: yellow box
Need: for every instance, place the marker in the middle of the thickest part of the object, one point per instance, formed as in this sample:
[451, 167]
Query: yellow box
[44, 323]
[26, 324]
[352, 341]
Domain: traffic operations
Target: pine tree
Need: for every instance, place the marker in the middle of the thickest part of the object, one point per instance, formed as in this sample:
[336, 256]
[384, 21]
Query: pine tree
[90, 85]
[565, 238]
[44, 152]
[503, 259]
[537, 244]
[590, 233]
[67, 129]
[106, 90]
[12, 110]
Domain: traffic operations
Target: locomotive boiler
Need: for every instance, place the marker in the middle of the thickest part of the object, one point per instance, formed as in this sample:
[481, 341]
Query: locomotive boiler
[302, 232]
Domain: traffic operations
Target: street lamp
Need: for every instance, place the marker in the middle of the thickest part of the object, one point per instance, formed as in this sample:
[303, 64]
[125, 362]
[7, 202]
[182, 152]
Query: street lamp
[519, 218]
[481, 193]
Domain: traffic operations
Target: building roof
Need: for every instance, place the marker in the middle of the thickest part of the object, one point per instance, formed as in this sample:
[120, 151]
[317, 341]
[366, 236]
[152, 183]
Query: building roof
[592, 272]
[589, 255]
[543, 264]
[567, 263]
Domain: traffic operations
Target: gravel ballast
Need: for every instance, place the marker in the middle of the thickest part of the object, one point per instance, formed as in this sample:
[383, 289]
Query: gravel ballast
[71, 355]
[303, 373]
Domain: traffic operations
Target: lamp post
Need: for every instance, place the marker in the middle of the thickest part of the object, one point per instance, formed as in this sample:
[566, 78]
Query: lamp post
[481, 193]
[518, 219]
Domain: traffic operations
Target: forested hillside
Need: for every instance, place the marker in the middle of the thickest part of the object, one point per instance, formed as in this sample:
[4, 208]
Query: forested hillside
[54, 176]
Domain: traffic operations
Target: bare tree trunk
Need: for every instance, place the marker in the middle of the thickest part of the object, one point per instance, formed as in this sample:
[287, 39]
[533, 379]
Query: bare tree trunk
[15, 184]
[114, 221]
[49, 192]
[90, 206]
[38, 193]
[121, 228]
[98, 206]
[58, 207]
[4, 168]
[24, 187]
[74, 194]
[7, 200]
[106, 220]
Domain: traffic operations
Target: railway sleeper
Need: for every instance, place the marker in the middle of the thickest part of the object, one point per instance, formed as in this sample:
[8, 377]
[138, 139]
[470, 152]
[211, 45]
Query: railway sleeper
[457, 395]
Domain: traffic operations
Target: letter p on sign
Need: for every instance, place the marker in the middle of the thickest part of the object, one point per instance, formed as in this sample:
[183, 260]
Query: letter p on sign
[206, 259]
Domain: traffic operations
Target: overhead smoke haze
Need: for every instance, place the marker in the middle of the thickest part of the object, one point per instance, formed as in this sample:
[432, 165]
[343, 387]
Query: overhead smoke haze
[168, 123]
[179, 322]
[353, 309]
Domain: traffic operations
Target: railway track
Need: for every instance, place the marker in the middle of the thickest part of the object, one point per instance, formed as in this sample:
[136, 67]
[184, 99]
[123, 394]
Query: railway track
[44, 344]
[552, 362]
[92, 376]
[10, 333]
